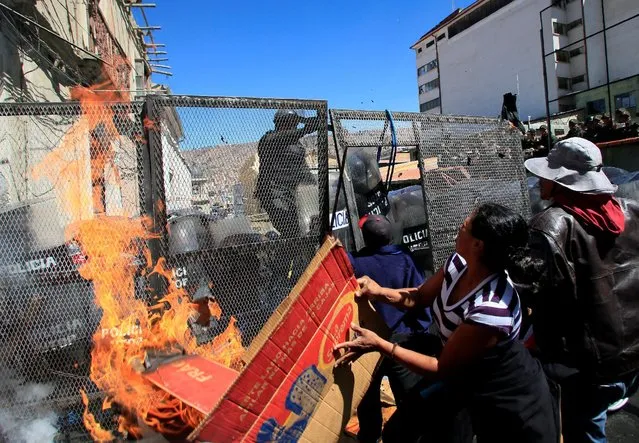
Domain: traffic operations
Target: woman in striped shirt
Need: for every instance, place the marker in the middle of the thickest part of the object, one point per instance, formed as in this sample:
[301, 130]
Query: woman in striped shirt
[482, 365]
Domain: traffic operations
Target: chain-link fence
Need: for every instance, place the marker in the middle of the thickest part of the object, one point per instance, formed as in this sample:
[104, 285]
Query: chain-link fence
[59, 163]
[245, 197]
[237, 191]
[463, 161]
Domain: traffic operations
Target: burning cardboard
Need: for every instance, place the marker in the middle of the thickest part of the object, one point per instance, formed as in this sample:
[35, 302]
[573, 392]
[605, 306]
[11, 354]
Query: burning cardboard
[289, 389]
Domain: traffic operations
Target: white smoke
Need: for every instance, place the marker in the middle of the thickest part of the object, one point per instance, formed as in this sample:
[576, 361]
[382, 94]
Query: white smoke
[24, 418]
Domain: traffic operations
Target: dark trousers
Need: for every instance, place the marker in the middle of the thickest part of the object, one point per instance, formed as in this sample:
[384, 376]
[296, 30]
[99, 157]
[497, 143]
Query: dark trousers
[430, 413]
[503, 397]
[280, 203]
[402, 381]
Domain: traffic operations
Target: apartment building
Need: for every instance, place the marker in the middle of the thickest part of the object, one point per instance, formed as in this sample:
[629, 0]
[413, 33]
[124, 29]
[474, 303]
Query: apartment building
[475, 55]
[589, 55]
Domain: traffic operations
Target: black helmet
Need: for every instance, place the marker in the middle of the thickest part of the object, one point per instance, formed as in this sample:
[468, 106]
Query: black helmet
[282, 115]
[364, 170]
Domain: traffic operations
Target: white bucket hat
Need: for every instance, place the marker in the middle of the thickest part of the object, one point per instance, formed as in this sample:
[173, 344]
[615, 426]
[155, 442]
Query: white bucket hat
[576, 164]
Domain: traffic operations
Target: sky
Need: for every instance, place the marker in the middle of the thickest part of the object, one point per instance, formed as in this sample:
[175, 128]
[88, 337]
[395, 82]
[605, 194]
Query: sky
[354, 53]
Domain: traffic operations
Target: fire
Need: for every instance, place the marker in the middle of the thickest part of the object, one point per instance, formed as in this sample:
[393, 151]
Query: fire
[96, 430]
[114, 245]
[149, 124]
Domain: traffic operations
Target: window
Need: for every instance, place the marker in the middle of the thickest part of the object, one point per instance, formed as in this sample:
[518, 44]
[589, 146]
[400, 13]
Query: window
[430, 43]
[564, 83]
[578, 79]
[559, 28]
[561, 3]
[476, 15]
[139, 75]
[197, 189]
[574, 24]
[566, 108]
[419, 51]
[432, 84]
[577, 51]
[441, 37]
[429, 86]
[427, 67]
[429, 105]
[596, 106]
[562, 56]
[626, 100]
[559, 132]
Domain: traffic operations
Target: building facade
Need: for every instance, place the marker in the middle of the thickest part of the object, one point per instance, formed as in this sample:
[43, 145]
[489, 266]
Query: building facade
[475, 55]
[49, 47]
[590, 60]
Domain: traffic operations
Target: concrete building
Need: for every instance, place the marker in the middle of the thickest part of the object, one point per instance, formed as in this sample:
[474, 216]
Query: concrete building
[591, 60]
[47, 47]
[475, 55]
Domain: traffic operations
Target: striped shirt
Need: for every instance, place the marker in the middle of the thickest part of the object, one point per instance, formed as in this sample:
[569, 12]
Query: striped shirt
[493, 303]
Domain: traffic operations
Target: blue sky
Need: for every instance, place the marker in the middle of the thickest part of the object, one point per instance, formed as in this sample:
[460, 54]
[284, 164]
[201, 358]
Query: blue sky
[353, 53]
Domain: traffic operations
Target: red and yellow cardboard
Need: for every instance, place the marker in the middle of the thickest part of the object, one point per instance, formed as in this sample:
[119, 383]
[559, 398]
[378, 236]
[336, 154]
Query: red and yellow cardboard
[289, 389]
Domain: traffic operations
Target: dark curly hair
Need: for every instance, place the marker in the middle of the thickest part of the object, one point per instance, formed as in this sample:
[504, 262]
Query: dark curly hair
[504, 233]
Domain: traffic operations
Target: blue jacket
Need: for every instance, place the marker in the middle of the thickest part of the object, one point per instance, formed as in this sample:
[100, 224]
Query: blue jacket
[392, 267]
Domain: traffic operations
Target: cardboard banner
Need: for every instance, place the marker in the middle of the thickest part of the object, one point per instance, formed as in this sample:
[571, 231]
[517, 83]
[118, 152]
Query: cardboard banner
[289, 389]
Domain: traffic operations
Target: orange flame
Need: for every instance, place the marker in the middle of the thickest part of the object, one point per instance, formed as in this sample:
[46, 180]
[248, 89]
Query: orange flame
[96, 430]
[129, 328]
[149, 124]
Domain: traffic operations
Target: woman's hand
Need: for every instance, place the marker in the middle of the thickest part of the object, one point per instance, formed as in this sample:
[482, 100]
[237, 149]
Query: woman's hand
[368, 288]
[365, 341]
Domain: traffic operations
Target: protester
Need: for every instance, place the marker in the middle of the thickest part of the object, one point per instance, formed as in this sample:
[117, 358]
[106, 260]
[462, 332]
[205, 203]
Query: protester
[483, 366]
[544, 146]
[625, 127]
[392, 267]
[605, 130]
[574, 130]
[621, 117]
[584, 293]
[592, 128]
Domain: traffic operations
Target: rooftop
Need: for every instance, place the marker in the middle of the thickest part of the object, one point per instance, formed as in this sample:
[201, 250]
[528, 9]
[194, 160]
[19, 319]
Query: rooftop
[454, 16]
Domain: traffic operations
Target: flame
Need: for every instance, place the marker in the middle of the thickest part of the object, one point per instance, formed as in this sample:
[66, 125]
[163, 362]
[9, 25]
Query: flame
[107, 403]
[129, 328]
[149, 124]
[96, 430]
[215, 310]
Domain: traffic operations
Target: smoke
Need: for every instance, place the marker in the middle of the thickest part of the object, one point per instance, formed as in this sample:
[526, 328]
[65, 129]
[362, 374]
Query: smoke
[25, 417]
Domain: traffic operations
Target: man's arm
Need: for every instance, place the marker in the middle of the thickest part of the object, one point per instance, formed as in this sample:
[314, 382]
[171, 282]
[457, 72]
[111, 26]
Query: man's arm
[552, 300]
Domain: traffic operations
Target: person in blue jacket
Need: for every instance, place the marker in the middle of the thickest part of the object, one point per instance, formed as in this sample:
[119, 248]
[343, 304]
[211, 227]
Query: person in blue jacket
[391, 266]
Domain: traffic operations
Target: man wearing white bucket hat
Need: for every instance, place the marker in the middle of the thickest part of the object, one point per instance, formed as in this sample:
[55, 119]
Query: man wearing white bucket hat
[586, 304]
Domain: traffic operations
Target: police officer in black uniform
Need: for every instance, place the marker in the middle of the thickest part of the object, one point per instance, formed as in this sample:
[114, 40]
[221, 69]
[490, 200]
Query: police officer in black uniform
[283, 168]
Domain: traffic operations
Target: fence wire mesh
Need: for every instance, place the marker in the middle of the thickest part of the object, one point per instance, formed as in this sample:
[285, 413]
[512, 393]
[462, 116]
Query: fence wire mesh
[463, 161]
[59, 163]
[237, 190]
[245, 192]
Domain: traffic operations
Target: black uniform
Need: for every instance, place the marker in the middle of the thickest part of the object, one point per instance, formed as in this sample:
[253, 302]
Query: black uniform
[282, 169]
